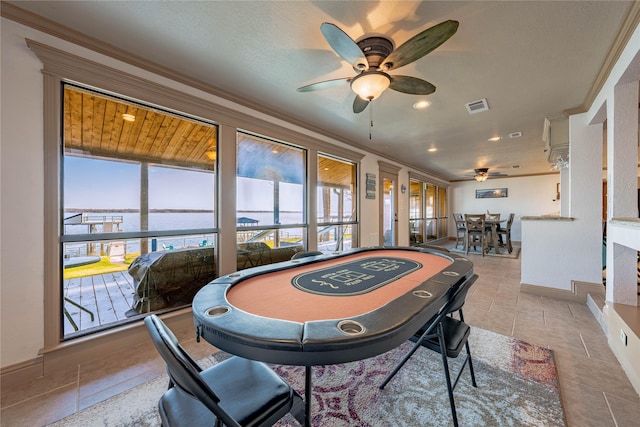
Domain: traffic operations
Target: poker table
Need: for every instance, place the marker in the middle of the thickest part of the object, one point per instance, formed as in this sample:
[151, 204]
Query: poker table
[327, 309]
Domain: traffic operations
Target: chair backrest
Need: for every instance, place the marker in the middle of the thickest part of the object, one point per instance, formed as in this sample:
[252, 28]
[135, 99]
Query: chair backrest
[510, 220]
[493, 217]
[457, 300]
[475, 223]
[183, 370]
[460, 221]
[305, 254]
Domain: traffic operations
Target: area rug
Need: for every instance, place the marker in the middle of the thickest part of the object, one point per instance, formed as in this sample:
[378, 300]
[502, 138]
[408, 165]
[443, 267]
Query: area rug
[515, 253]
[517, 386]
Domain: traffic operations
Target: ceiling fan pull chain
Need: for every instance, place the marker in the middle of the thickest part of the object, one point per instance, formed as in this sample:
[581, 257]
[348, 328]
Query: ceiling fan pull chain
[370, 119]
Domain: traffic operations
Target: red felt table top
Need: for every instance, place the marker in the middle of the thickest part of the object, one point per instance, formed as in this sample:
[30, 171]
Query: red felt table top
[272, 294]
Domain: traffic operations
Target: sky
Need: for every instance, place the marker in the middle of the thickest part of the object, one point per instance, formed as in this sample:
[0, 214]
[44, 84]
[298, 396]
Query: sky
[101, 184]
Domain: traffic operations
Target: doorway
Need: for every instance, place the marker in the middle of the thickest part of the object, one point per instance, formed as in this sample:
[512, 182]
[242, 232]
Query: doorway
[388, 209]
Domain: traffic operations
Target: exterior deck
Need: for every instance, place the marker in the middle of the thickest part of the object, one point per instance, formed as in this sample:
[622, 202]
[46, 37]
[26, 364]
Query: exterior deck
[107, 296]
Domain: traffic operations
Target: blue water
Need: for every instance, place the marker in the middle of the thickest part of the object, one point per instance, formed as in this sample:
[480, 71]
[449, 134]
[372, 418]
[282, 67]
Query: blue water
[130, 222]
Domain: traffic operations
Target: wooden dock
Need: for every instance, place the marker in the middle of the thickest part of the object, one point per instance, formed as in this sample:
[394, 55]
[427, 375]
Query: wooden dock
[107, 296]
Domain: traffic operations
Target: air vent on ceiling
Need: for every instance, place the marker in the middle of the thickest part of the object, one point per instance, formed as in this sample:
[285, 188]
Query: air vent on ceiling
[515, 134]
[477, 106]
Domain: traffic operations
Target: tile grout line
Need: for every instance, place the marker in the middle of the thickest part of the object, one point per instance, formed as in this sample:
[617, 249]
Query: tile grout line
[77, 408]
[584, 345]
[613, 417]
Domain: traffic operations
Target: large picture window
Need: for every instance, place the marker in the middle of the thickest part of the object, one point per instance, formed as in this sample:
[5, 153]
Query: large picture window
[270, 197]
[138, 209]
[336, 204]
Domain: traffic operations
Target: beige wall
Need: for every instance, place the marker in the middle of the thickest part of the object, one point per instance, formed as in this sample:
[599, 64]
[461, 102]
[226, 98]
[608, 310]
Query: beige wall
[22, 188]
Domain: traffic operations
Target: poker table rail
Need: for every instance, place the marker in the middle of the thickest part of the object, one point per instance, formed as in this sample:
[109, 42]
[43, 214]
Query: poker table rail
[329, 341]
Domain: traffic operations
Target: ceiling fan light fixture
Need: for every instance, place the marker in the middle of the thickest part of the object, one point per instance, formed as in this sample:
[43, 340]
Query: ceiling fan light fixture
[370, 84]
[481, 174]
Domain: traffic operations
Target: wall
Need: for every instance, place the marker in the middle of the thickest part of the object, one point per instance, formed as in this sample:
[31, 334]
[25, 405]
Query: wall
[557, 253]
[21, 273]
[527, 196]
[21, 208]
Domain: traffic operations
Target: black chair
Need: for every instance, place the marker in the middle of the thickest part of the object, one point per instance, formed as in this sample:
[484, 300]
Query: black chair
[445, 332]
[305, 254]
[236, 392]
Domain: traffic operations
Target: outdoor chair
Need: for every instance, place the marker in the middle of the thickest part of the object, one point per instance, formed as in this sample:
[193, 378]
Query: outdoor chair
[68, 315]
[235, 392]
[445, 332]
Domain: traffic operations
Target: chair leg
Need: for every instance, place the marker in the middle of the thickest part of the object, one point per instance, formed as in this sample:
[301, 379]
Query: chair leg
[473, 374]
[445, 363]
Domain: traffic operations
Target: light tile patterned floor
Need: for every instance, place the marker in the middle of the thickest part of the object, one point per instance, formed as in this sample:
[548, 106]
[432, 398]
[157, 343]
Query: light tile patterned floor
[595, 390]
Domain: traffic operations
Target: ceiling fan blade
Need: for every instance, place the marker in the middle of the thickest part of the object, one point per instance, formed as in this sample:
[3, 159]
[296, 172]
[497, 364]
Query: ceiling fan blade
[344, 46]
[359, 104]
[411, 85]
[420, 44]
[327, 84]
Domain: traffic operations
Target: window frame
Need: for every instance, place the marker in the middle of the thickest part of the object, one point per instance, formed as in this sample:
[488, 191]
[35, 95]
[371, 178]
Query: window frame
[355, 240]
[193, 98]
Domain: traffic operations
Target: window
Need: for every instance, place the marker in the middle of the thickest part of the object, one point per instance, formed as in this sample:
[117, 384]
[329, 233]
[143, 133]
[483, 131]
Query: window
[427, 212]
[270, 197]
[138, 209]
[336, 204]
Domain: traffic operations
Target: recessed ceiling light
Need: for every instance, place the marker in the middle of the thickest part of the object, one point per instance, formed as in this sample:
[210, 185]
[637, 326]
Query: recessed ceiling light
[495, 138]
[432, 149]
[128, 117]
[421, 105]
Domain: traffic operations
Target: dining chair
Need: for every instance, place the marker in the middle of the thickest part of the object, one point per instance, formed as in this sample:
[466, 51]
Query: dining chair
[461, 228]
[447, 336]
[235, 392]
[492, 217]
[507, 233]
[476, 232]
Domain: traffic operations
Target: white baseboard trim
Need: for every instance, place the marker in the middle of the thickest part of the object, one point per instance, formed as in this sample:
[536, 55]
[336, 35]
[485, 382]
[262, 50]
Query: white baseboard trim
[577, 293]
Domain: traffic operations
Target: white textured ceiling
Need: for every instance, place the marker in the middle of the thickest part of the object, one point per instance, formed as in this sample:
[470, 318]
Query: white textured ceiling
[530, 60]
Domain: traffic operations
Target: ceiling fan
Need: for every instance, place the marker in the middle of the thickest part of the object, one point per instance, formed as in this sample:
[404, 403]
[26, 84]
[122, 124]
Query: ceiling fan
[482, 174]
[373, 57]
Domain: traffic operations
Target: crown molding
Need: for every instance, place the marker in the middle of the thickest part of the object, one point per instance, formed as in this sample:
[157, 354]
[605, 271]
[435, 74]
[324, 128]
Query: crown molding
[627, 29]
[39, 23]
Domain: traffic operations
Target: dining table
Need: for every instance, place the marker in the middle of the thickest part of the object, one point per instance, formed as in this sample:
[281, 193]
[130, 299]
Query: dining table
[495, 225]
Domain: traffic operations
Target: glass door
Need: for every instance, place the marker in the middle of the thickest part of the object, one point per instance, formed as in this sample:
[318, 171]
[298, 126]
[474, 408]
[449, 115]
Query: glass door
[389, 200]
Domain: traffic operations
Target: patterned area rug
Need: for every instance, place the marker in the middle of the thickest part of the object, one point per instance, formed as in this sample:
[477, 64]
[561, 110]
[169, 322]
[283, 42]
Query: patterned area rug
[517, 386]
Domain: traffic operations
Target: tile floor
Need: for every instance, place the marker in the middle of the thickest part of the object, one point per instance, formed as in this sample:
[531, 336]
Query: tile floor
[594, 388]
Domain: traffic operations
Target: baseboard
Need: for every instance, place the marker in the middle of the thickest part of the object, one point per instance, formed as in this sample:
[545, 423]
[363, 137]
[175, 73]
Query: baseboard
[15, 375]
[625, 319]
[596, 310]
[93, 347]
[577, 293]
